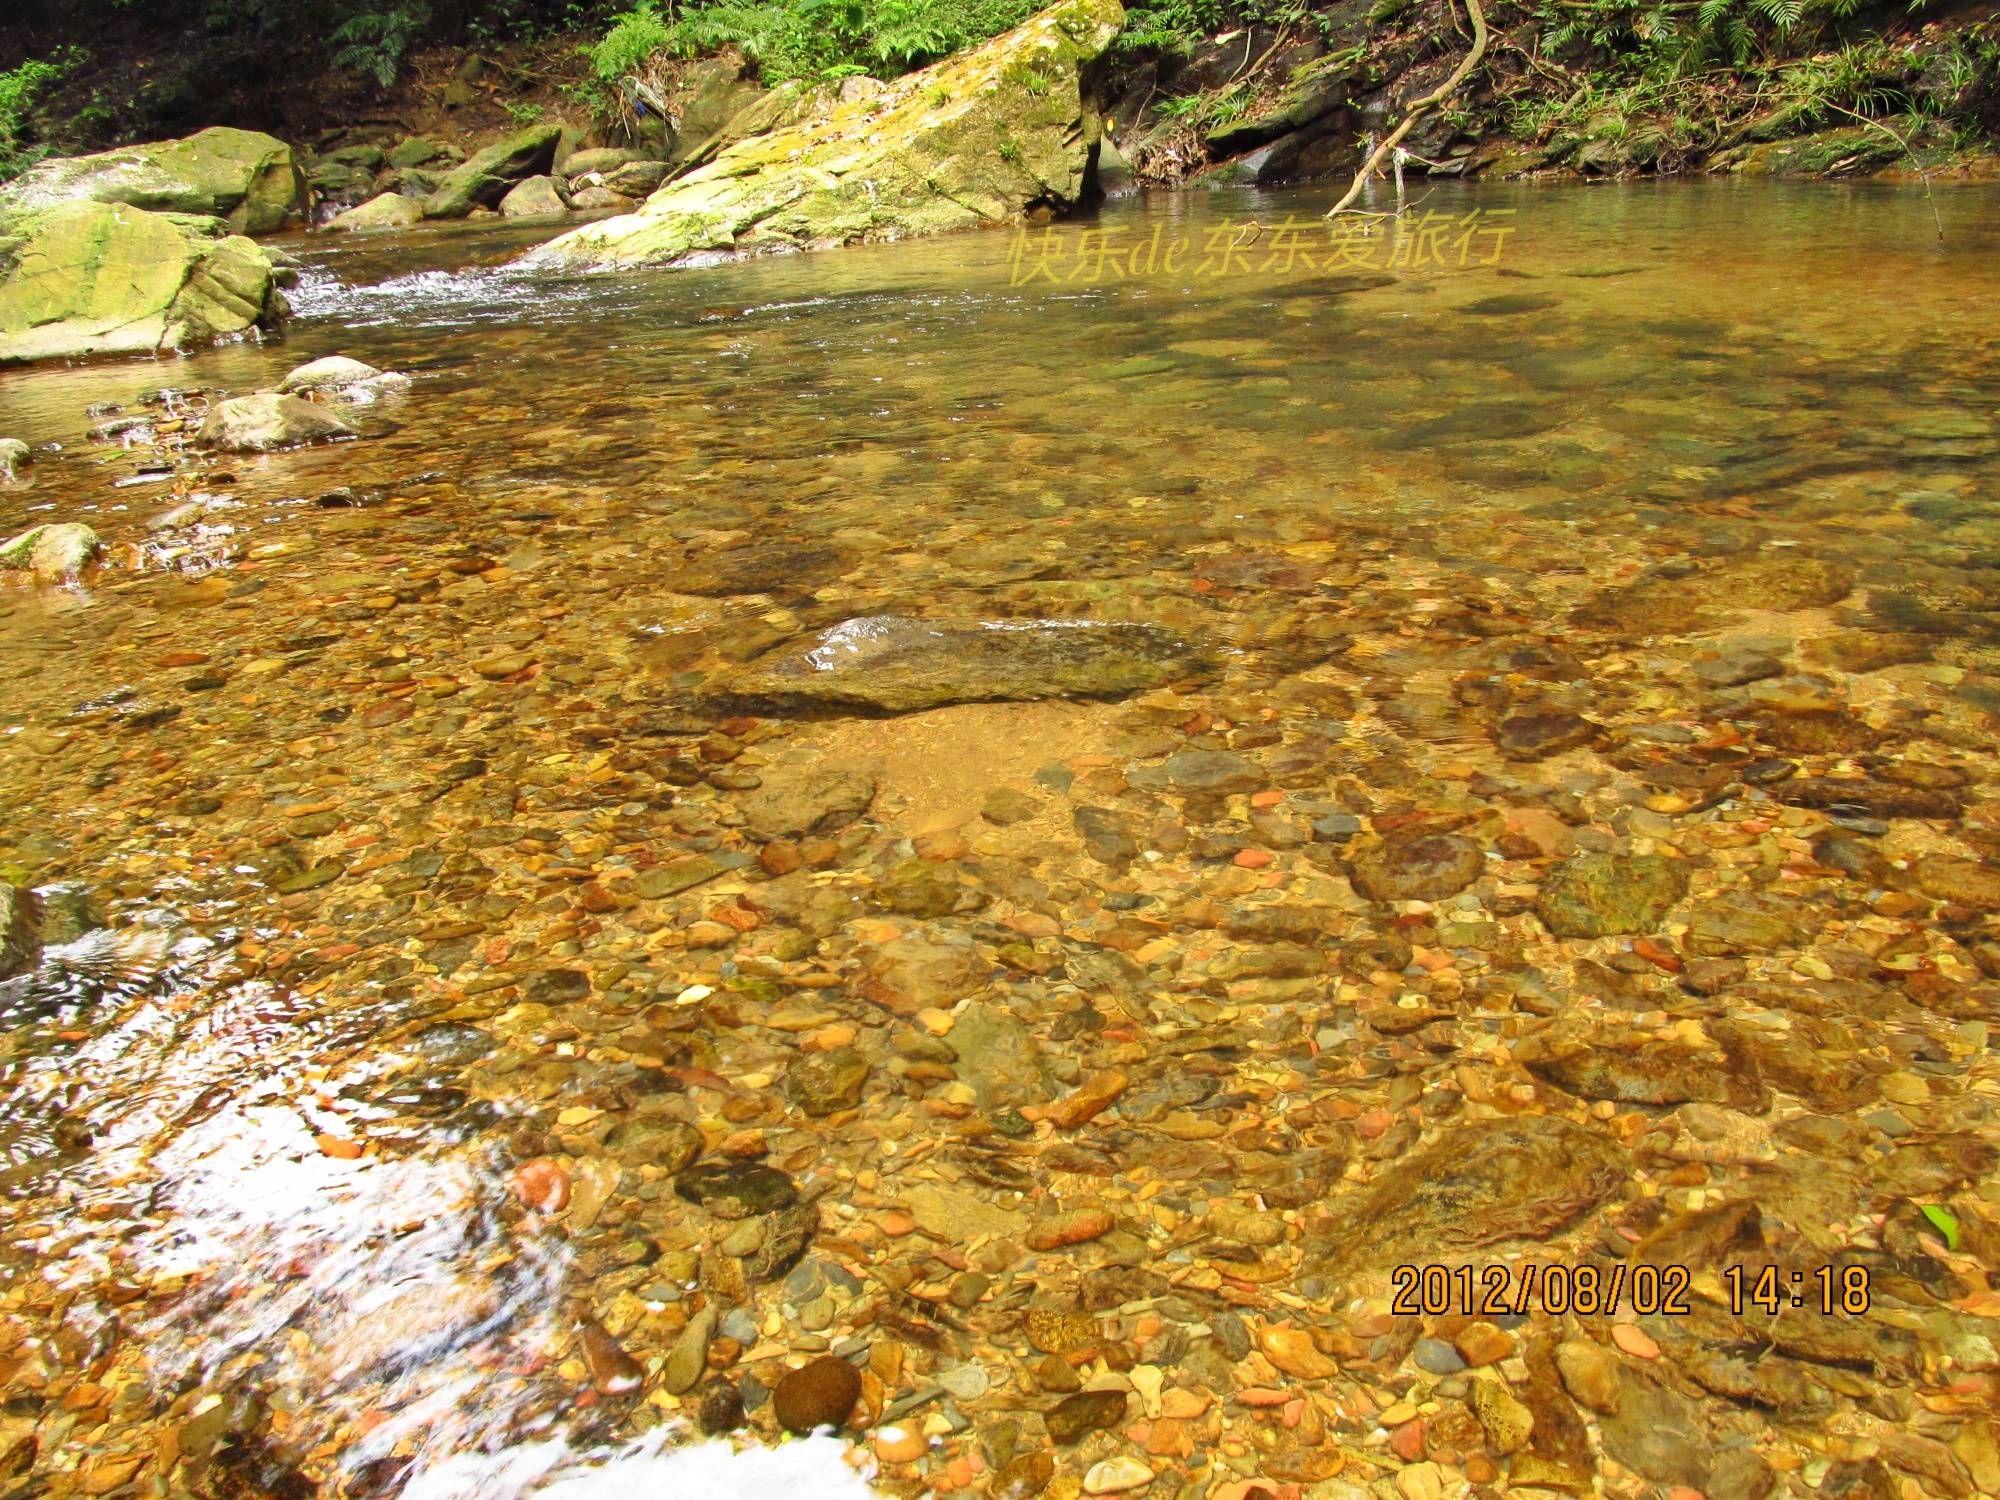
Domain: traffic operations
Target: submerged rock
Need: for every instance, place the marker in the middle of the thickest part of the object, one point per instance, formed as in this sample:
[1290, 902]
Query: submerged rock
[257, 424]
[13, 457]
[1480, 1184]
[891, 664]
[244, 177]
[103, 278]
[1597, 895]
[1419, 867]
[51, 553]
[972, 140]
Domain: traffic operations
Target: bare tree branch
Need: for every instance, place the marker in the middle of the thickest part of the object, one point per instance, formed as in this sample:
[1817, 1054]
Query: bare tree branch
[1417, 110]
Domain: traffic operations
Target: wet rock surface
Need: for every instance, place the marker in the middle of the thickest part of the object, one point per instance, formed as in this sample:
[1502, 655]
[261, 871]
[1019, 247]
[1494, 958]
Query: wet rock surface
[887, 664]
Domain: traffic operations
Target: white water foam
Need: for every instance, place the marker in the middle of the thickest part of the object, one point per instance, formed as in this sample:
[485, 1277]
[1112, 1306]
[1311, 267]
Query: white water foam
[813, 1468]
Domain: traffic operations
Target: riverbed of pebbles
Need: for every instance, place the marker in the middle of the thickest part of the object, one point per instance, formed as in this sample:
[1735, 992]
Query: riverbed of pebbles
[1030, 1051]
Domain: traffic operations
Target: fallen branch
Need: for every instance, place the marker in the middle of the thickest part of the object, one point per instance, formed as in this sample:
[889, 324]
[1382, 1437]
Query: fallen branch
[1417, 110]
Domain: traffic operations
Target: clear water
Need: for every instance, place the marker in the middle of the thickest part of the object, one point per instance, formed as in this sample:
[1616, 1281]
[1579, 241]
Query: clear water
[1322, 471]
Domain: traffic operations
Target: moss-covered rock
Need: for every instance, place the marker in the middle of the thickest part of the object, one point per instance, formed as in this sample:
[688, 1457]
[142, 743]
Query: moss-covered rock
[415, 151]
[1850, 152]
[484, 179]
[384, 211]
[535, 197]
[712, 94]
[973, 140]
[244, 177]
[51, 553]
[103, 278]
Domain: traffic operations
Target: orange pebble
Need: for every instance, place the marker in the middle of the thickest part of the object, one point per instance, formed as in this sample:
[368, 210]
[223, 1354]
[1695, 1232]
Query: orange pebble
[897, 1225]
[898, 1445]
[1252, 859]
[334, 1146]
[1407, 1441]
[1634, 1340]
[1270, 798]
[542, 1184]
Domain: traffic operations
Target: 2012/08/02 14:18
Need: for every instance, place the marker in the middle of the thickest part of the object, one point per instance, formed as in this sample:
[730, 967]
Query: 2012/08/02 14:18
[1643, 1289]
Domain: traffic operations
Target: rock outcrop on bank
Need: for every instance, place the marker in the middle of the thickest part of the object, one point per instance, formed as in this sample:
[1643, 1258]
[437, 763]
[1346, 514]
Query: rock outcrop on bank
[85, 277]
[977, 139]
[249, 180]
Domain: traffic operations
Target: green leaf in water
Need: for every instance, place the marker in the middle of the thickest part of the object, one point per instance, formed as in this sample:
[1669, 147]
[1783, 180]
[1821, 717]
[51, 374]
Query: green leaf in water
[1946, 1222]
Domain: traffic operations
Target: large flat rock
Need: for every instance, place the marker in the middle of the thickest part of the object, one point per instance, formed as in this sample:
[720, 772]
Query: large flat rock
[890, 664]
[975, 139]
[244, 177]
[104, 278]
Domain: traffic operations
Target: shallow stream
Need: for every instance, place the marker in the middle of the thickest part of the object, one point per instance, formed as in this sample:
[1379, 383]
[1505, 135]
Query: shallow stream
[1560, 830]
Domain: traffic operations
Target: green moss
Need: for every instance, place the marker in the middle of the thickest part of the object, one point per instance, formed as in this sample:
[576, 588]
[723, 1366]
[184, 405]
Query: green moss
[102, 278]
[894, 166]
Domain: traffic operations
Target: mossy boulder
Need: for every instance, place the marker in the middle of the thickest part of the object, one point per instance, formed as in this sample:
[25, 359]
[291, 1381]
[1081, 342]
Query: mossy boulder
[415, 151]
[103, 278]
[384, 211]
[536, 197]
[244, 177]
[976, 139]
[483, 180]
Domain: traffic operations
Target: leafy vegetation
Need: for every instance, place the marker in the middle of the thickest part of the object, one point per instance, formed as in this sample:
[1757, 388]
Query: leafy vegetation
[809, 39]
[373, 41]
[1659, 84]
[19, 89]
[634, 37]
